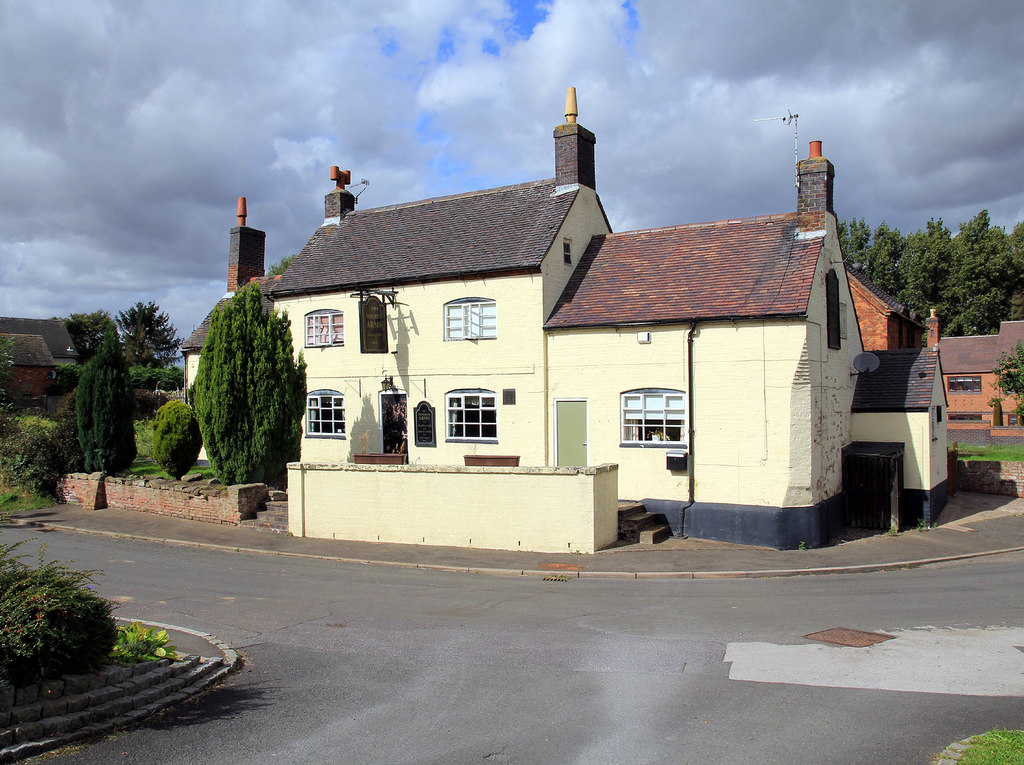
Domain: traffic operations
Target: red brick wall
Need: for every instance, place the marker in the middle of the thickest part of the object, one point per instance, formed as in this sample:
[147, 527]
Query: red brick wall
[985, 477]
[197, 501]
[978, 402]
[30, 381]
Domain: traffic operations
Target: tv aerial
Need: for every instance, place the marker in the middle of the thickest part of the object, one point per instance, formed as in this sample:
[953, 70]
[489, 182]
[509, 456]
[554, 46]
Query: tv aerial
[789, 119]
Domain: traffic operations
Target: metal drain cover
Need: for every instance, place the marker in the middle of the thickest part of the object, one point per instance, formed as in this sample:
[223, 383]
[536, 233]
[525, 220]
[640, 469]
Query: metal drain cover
[847, 637]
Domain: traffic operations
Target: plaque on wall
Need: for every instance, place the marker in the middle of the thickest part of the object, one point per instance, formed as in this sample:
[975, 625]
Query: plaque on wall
[423, 424]
[373, 326]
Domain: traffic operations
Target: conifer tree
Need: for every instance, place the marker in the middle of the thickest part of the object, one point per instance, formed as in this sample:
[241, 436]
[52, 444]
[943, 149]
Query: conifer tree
[250, 391]
[105, 405]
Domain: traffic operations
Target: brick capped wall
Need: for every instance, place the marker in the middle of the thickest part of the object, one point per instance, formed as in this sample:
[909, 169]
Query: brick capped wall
[195, 501]
[985, 477]
[983, 434]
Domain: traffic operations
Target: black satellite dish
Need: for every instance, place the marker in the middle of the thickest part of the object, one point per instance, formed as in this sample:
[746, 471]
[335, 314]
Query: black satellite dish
[865, 362]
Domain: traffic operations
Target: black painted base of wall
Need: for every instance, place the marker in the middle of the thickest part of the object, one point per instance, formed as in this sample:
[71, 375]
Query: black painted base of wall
[917, 505]
[784, 528]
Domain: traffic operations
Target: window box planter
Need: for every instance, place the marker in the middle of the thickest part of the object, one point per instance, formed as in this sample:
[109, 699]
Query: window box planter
[380, 459]
[491, 460]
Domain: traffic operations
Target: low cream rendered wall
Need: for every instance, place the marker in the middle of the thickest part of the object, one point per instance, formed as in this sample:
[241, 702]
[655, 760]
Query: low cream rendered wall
[536, 509]
[912, 429]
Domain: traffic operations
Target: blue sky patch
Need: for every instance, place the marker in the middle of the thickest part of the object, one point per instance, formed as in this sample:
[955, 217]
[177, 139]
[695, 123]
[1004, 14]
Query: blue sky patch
[526, 14]
[445, 48]
[490, 47]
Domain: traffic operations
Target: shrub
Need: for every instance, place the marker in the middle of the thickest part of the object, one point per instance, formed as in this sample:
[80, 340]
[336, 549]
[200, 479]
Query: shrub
[176, 438]
[36, 452]
[147, 402]
[66, 379]
[51, 623]
[105, 406]
[136, 642]
[151, 378]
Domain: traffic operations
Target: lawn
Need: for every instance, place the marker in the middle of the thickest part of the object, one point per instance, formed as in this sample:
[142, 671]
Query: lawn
[144, 464]
[995, 453]
[997, 747]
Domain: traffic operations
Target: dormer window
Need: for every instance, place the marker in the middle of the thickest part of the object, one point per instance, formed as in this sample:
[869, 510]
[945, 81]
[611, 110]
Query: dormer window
[325, 328]
[471, 319]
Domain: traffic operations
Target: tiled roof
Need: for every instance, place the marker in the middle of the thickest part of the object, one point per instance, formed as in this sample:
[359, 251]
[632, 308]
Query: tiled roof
[496, 230]
[195, 341]
[904, 381]
[29, 351]
[979, 353]
[884, 297]
[53, 332]
[753, 267]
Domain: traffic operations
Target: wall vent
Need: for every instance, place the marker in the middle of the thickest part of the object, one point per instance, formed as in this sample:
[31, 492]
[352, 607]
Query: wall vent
[508, 396]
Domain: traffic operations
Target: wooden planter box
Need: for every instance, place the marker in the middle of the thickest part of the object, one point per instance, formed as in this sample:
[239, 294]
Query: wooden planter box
[380, 459]
[491, 460]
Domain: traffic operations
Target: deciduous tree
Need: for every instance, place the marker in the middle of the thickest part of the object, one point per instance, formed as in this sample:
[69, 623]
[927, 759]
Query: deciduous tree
[86, 330]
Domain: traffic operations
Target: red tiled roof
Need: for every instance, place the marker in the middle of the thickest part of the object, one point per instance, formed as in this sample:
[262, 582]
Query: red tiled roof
[491, 231]
[753, 267]
[904, 381]
[979, 353]
[884, 297]
[198, 337]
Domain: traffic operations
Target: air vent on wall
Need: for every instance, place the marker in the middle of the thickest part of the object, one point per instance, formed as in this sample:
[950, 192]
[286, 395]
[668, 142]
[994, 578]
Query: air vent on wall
[508, 396]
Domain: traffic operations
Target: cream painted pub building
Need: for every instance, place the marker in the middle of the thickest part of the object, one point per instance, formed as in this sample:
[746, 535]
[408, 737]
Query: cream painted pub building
[710, 362]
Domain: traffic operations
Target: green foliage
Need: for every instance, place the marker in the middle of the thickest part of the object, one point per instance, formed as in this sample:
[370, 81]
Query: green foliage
[153, 378]
[149, 337]
[137, 642]
[280, 266]
[176, 438]
[105, 406]
[51, 623]
[974, 280]
[6, 370]
[36, 452]
[66, 380]
[147, 402]
[1010, 371]
[86, 330]
[249, 393]
[996, 747]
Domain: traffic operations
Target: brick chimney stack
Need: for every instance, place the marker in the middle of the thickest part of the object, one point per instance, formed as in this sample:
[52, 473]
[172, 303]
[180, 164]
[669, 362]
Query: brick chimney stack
[932, 322]
[574, 148]
[814, 193]
[246, 254]
[341, 201]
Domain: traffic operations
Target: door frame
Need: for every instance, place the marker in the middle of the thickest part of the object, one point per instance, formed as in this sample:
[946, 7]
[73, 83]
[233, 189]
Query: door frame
[586, 422]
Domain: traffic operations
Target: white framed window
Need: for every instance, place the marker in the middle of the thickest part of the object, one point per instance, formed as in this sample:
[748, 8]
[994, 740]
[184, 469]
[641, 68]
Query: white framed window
[654, 415]
[471, 415]
[325, 414]
[471, 319]
[325, 328]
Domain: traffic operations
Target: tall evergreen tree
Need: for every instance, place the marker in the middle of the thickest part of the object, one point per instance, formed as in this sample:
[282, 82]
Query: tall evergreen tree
[250, 391]
[105, 406]
[149, 337]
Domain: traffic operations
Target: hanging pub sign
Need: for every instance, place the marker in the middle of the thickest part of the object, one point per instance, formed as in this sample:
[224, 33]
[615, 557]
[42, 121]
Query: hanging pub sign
[423, 424]
[373, 325]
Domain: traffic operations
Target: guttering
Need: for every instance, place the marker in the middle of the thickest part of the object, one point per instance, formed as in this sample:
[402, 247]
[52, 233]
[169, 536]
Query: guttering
[449, 276]
[690, 398]
[679, 320]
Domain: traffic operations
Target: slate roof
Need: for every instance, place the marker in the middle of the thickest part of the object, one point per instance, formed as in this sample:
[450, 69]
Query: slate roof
[751, 267]
[195, 341]
[480, 232]
[979, 353]
[53, 332]
[29, 351]
[903, 382]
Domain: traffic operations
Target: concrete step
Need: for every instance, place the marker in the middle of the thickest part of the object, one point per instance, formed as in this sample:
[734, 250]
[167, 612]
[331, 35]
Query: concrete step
[651, 536]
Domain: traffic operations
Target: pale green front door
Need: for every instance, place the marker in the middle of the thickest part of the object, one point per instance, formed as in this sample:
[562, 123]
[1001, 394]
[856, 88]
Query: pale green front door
[570, 433]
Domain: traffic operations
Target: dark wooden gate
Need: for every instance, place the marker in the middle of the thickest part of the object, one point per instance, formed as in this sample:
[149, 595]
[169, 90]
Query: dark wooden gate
[873, 484]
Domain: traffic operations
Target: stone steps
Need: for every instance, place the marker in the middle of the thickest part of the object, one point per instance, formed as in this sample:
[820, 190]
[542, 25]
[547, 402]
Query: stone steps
[274, 518]
[60, 712]
[638, 526]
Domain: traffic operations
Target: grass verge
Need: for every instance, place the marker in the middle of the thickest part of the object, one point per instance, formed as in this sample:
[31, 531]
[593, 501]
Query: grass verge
[16, 500]
[997, 747]
[996, 453]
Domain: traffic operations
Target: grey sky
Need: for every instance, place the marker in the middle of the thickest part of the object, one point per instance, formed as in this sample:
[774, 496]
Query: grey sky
[128, 129]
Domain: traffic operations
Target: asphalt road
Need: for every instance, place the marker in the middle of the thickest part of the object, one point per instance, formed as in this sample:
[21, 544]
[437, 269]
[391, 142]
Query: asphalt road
[363, 664]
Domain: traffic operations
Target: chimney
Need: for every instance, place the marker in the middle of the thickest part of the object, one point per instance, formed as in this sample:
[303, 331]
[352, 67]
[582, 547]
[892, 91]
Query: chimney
[814, 192]
[340, 201]
[574, 149]
[932, 322]
[245, 257]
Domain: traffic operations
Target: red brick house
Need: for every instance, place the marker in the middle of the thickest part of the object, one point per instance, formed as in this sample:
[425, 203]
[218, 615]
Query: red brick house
[39, 345]
[885, 323]
[967, 364]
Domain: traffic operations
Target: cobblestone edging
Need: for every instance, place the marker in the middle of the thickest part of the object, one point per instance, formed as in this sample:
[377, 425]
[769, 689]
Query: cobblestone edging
[952, 753]
[59, 712]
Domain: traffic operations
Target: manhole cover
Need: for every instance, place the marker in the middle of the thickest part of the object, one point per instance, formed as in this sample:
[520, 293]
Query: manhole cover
[846, 637]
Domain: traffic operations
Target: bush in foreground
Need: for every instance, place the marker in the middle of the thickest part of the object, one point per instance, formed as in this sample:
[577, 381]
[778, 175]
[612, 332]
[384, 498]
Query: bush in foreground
[137, 642]
[176, 438]
[51, 623]
[36, 452]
